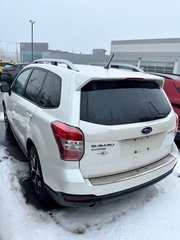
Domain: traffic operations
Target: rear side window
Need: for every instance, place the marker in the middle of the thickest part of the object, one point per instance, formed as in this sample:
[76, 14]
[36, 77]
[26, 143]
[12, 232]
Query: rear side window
[34, 85]
[122, 102]
[50, 95]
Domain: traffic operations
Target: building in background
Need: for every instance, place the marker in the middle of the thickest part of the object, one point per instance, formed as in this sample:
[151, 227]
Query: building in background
[41, 50]
[153, 55]
[97, 56]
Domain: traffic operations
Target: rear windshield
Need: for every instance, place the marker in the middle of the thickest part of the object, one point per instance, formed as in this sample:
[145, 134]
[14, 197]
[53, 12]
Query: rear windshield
[122, 102]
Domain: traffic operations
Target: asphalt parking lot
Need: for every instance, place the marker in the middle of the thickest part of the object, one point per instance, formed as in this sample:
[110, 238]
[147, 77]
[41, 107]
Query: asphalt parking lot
[0, 102]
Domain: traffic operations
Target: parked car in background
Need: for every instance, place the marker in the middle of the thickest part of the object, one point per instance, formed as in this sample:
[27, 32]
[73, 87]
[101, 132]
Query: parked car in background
[4, 63]
[14, 69]
[90, 133]
[6, 77]
[172, 89]
[9, 67]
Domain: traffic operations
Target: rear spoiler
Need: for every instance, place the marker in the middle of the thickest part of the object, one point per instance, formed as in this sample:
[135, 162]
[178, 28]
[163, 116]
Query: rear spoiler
[81, 82]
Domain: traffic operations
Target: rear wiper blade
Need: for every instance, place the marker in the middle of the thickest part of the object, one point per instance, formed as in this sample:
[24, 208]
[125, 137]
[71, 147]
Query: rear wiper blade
[149, 118]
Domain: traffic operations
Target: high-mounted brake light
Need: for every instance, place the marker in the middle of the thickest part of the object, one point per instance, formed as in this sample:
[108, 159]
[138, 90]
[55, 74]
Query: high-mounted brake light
[135, 79]
[70, 141]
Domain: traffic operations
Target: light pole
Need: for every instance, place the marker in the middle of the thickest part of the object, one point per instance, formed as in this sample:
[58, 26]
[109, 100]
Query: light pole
[139, 61]
[32, 22]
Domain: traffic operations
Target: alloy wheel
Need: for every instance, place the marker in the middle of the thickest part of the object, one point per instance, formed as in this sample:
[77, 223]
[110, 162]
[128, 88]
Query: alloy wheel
[35, 171]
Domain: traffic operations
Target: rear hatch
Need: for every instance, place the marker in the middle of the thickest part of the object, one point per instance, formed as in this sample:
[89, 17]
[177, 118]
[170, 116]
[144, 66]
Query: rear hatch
[127, 124]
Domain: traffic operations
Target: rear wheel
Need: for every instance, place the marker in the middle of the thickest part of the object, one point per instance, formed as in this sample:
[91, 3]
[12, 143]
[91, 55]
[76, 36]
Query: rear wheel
[36, 175]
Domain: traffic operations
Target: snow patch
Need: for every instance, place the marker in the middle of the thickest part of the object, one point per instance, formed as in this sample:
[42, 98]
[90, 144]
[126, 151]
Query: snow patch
[152, 213]
[1, 117]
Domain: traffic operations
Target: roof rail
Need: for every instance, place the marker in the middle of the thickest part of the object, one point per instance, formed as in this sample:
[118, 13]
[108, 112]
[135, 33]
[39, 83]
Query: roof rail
[55, 62]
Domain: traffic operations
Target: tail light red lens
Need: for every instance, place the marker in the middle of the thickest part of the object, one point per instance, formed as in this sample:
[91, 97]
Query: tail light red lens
[177, 124]
[177, 121]
[70, 141]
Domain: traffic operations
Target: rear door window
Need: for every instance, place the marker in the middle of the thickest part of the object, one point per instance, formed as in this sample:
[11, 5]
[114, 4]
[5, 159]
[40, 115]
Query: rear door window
[50, 94]
[122, 102]
[34, 86]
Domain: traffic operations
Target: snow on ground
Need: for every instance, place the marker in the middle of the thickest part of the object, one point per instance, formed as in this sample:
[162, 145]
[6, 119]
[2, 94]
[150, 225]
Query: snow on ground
[150, 214]
[1, 116]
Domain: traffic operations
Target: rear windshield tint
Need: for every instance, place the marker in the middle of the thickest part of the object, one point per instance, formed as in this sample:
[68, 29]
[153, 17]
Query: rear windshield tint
[122, 102]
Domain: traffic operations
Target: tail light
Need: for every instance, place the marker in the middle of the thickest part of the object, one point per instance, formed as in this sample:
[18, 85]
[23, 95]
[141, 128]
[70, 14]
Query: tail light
[177, 125]
[177, 121]
[70, 141]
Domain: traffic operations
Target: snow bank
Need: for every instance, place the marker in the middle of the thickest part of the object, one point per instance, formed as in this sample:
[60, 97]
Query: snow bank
[152, 213]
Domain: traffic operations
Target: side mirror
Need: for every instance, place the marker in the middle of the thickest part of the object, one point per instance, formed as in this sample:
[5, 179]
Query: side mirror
[5, 87]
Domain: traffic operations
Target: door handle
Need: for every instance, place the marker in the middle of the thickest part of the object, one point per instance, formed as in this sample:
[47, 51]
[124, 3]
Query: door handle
[29, 115]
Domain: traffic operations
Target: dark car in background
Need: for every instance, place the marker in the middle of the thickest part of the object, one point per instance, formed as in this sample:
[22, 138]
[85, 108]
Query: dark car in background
[14, 69]
[6, 77]
[172, 89]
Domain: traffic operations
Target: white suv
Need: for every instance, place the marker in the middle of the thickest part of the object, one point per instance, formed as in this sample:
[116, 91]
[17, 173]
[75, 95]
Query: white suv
[90, 133]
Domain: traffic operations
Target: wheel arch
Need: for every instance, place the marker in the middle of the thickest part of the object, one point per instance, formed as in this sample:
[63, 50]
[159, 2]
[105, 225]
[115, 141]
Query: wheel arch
[29, 144]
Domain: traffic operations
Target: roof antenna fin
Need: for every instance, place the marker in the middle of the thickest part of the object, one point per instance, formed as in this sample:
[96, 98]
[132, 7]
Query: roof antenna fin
[107, 66]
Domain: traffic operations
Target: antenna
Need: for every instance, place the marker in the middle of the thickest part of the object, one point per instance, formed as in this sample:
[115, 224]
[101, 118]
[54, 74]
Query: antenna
[107, 66]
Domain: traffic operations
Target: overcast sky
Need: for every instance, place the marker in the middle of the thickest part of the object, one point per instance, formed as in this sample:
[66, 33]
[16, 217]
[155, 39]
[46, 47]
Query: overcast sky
[81, 25]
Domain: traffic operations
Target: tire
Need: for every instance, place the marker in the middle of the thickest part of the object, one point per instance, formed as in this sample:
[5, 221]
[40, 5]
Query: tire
[6, 121]
[36, 175]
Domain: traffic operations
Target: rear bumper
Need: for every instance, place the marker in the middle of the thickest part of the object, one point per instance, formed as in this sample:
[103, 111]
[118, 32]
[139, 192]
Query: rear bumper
[92, 191]
[72, 200]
